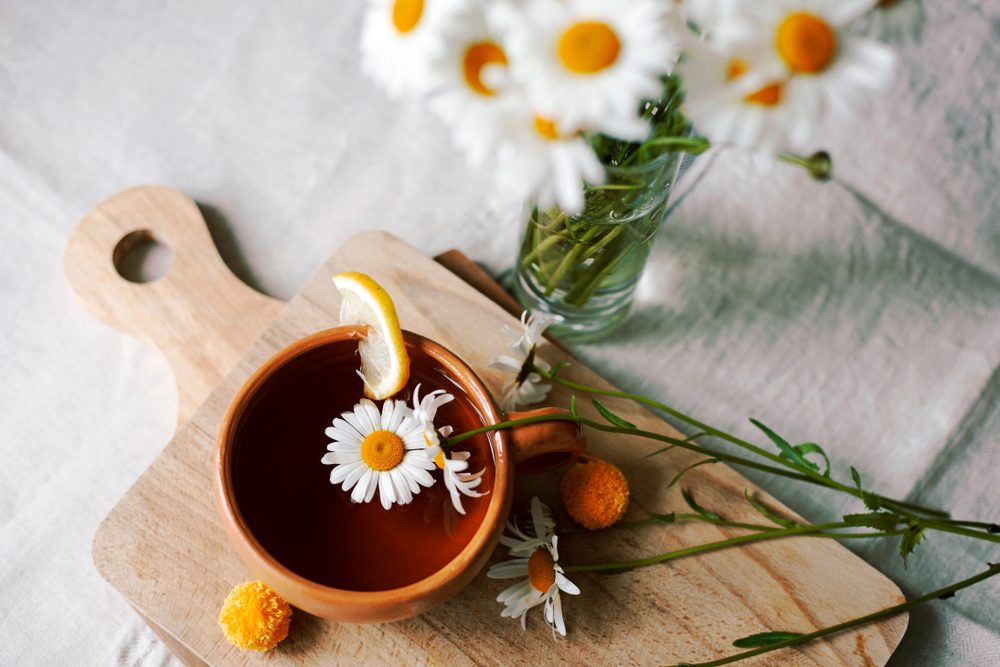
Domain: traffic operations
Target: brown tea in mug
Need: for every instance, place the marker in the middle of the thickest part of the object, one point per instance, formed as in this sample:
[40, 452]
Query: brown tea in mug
[310, 525]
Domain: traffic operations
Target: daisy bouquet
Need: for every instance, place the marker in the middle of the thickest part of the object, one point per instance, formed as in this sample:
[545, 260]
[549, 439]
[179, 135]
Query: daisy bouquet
[583, 107]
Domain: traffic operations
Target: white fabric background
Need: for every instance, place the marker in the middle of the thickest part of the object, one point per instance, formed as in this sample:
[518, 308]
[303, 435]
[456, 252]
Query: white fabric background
[862, 314]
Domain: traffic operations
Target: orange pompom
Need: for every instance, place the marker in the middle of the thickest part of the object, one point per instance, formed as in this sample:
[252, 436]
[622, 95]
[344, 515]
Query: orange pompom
[595, 493]
[255, 617]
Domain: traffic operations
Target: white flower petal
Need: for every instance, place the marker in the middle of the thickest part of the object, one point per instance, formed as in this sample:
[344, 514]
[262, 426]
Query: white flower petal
[366, 482]
[386, 492]
[339, 457]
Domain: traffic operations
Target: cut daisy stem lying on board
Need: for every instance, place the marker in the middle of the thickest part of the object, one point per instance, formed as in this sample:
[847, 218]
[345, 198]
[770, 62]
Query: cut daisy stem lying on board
[885, 518]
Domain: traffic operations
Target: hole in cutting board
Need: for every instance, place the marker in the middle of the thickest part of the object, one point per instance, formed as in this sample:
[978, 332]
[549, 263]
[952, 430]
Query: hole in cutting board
[142, 257]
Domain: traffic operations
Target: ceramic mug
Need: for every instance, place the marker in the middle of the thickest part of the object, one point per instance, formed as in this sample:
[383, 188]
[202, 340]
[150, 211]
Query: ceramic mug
[528, 448]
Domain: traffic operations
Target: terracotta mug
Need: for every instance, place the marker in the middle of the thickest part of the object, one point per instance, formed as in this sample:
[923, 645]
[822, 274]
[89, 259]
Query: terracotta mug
[524, 449]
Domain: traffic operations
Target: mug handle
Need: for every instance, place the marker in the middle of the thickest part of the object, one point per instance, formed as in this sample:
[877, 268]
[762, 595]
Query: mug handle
[544, 445]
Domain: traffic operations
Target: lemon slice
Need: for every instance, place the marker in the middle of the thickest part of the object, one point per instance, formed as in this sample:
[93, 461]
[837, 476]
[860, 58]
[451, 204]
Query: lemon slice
[384, 362]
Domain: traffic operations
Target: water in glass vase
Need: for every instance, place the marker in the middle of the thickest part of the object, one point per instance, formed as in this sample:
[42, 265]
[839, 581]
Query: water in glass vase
[584, 269]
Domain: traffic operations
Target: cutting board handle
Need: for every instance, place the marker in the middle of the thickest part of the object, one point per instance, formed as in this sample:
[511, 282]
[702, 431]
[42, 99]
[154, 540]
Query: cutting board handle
[199, 315]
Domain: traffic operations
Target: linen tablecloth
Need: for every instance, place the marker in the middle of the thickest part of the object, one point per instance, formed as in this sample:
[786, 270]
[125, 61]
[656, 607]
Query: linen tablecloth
[863, 314]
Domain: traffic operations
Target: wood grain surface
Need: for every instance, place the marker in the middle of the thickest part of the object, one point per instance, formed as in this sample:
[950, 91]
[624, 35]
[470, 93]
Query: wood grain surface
[163, 548]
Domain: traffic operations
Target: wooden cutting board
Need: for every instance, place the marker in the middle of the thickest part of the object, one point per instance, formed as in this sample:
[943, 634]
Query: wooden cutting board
[163, 547]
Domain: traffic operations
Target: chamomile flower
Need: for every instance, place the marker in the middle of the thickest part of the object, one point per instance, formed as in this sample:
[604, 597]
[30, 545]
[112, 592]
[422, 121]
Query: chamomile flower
[894, 21]
[399, 41]
[537, 560]
[380, 451]
[777, 64]
[454, 465]
[526, 387]
[473, 74]
[539, 163]
[749, 113]
[589, 63]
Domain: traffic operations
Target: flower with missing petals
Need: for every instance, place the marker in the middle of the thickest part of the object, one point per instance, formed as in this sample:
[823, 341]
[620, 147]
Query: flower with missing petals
[526, 387]
[536, 558]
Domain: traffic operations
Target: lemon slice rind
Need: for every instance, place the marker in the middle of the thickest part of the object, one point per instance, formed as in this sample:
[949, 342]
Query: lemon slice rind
[385, 365]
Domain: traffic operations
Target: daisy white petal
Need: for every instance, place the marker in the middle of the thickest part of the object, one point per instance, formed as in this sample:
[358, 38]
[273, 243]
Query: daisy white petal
[400, 40]
[367, 480]
[509, 569]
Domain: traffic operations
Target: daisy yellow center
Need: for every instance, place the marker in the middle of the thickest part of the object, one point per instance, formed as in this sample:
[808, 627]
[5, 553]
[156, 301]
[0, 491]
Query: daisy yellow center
[588, 47]
[546, 128]
[478, 56]
[769, 95]
[382, 450]
[541, 570]
[806, 43]
[406, 14]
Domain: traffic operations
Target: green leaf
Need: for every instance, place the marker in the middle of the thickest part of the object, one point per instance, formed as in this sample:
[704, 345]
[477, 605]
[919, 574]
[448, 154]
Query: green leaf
[572, 405]
[787, 451]
[612, 418]
[911, 538]
[871, 501]
[883, 521]
[856, 476]
[765, 639]
[766, 513]
[664, 518]
[689, 499]
[807, 448]
[661, 450]
[694, 465]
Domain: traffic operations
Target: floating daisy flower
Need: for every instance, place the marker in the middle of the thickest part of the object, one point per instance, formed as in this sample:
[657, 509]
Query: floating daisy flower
[473, 74]
[399, 41]
[590, 63]
[526, 387]
[454, 465]
[778, 64]
[537, 560]
[380, 451]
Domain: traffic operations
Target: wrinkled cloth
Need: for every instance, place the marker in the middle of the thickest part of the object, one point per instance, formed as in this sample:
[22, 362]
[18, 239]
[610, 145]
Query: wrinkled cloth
[862, 314]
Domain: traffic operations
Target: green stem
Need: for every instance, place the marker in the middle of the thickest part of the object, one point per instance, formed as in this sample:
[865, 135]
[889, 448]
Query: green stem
[818, 165]
[684, 516]
[817, 530]
[940, 593]
[552, 238]
[570, 258]
[814, 476]
[684, 444]
[950, 527]
[591, 280]
[693, 145]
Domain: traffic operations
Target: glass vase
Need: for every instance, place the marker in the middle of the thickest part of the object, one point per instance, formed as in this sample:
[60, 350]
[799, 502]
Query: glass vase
[583, 269]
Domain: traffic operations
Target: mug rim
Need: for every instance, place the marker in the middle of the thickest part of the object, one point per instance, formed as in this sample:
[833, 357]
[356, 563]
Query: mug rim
[406, 600]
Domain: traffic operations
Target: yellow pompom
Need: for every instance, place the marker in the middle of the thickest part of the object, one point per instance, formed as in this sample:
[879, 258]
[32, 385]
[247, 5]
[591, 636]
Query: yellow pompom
[255, 617]
[595, 493]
